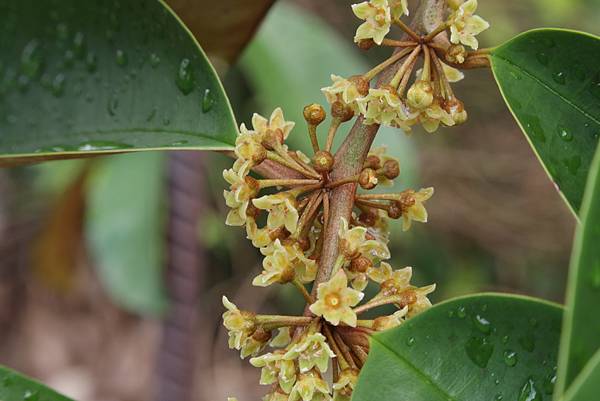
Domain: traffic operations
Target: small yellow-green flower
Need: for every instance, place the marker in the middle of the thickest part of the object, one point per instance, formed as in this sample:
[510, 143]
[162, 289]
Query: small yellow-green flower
[384, 106]
[431, 117]
[282, 339]
[422, 301]
[343, 388]
[252, 346]
[335, 300]
[398, 8]
[413, 208]
[354, 243]
[377, 17]
[240, 324]
[389, 322]
[342, 90]
[310, 387]
[282, 210]
[242, 189]
[277, 267]
[276, 369]
[399, 279]
[312, 351]
[260, 237]
[465, 25]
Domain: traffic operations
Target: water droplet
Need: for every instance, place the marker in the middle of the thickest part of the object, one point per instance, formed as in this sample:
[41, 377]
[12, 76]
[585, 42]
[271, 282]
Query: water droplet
[58, 85]
[113, 105]
[154, 60]
[510, 358]
[564, 134]
[181, 143]
[31, 59]
[91, 62]
[542, 58]
[450, 313]
[497, 382]
[573, 163]
[207, 101]
[30, 395]
[185, 77]
[410, 341]
[595, 86]
[482, 324]
[527, 342]
[79, 44]
[479, 350]
[529, 392]
[534, 127]
[549, 383]
[559, 77]
[101, 145]
[498, 397]
[484, 307]
[121, 58]
[461, 312]
[505, 339]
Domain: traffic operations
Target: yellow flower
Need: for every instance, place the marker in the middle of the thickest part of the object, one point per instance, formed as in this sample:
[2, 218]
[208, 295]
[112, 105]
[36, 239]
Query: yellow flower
[312, 351]
[384, 106]
[358, 280]
[276, 369]
[391, 321]
[310, 387]
[432, 116]
[398, 8]
[464, 25]
[342, 90]
[260, 237]
[242, 189]
[422, 302]
[452, 74]
[354, 243]
[282, 339]
[284, 263]
[343, 388]
[400, 279]
[275, 122]
[377, 17]
[282, 210]
[240, 324]
[412, 206]
[335, 300]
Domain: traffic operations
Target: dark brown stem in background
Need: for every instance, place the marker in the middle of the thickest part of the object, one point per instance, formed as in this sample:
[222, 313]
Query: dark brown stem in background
[176, 359]
[351, 155]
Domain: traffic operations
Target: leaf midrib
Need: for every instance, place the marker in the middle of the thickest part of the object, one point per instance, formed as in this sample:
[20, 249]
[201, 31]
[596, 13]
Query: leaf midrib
[547, 87]
[419, 372]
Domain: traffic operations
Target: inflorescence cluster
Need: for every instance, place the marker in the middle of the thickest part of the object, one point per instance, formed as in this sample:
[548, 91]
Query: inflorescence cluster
[318, 355]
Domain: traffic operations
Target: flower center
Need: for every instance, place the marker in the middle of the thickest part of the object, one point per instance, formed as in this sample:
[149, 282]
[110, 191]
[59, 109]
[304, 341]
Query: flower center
[333, 300]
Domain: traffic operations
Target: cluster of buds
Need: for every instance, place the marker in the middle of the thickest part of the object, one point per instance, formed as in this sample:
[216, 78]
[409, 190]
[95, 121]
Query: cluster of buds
[318, 355]
[428, 99]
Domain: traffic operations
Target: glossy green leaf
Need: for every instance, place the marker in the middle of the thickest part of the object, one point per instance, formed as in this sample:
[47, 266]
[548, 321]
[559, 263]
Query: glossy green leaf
[106, 76]
[476, 348]
[284, 72]
[16, 387]
[581, 332]
[125, 229]
[550, 79]
[586, 386]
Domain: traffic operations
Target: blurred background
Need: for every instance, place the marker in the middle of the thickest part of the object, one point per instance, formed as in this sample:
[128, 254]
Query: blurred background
[86, 300]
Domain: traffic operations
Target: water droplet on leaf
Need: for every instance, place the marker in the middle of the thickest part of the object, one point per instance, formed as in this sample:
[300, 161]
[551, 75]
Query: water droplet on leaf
[529, 392]
[207, 101]
[185, 77]
[510, 358]
[479, 350]
[564, 134]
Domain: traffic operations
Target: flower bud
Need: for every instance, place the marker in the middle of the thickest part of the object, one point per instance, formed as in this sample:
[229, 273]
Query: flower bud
[391, 169]
[314, 114]
[365, 44]
[456, 109]
[394, 210]
[420, 95]
[342, 111]
[322, 161]
[456, 54]
[261, 335]
[360, 264]
[361, 84]
[367, 179]
[372, 161]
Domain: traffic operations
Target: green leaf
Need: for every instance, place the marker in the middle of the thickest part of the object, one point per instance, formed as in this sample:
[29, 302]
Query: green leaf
[476, 348]
[587, 385]
[125, 229]
[107, 76]
[283, 72]
[550, 79]
[581, 332]
[14, 386]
